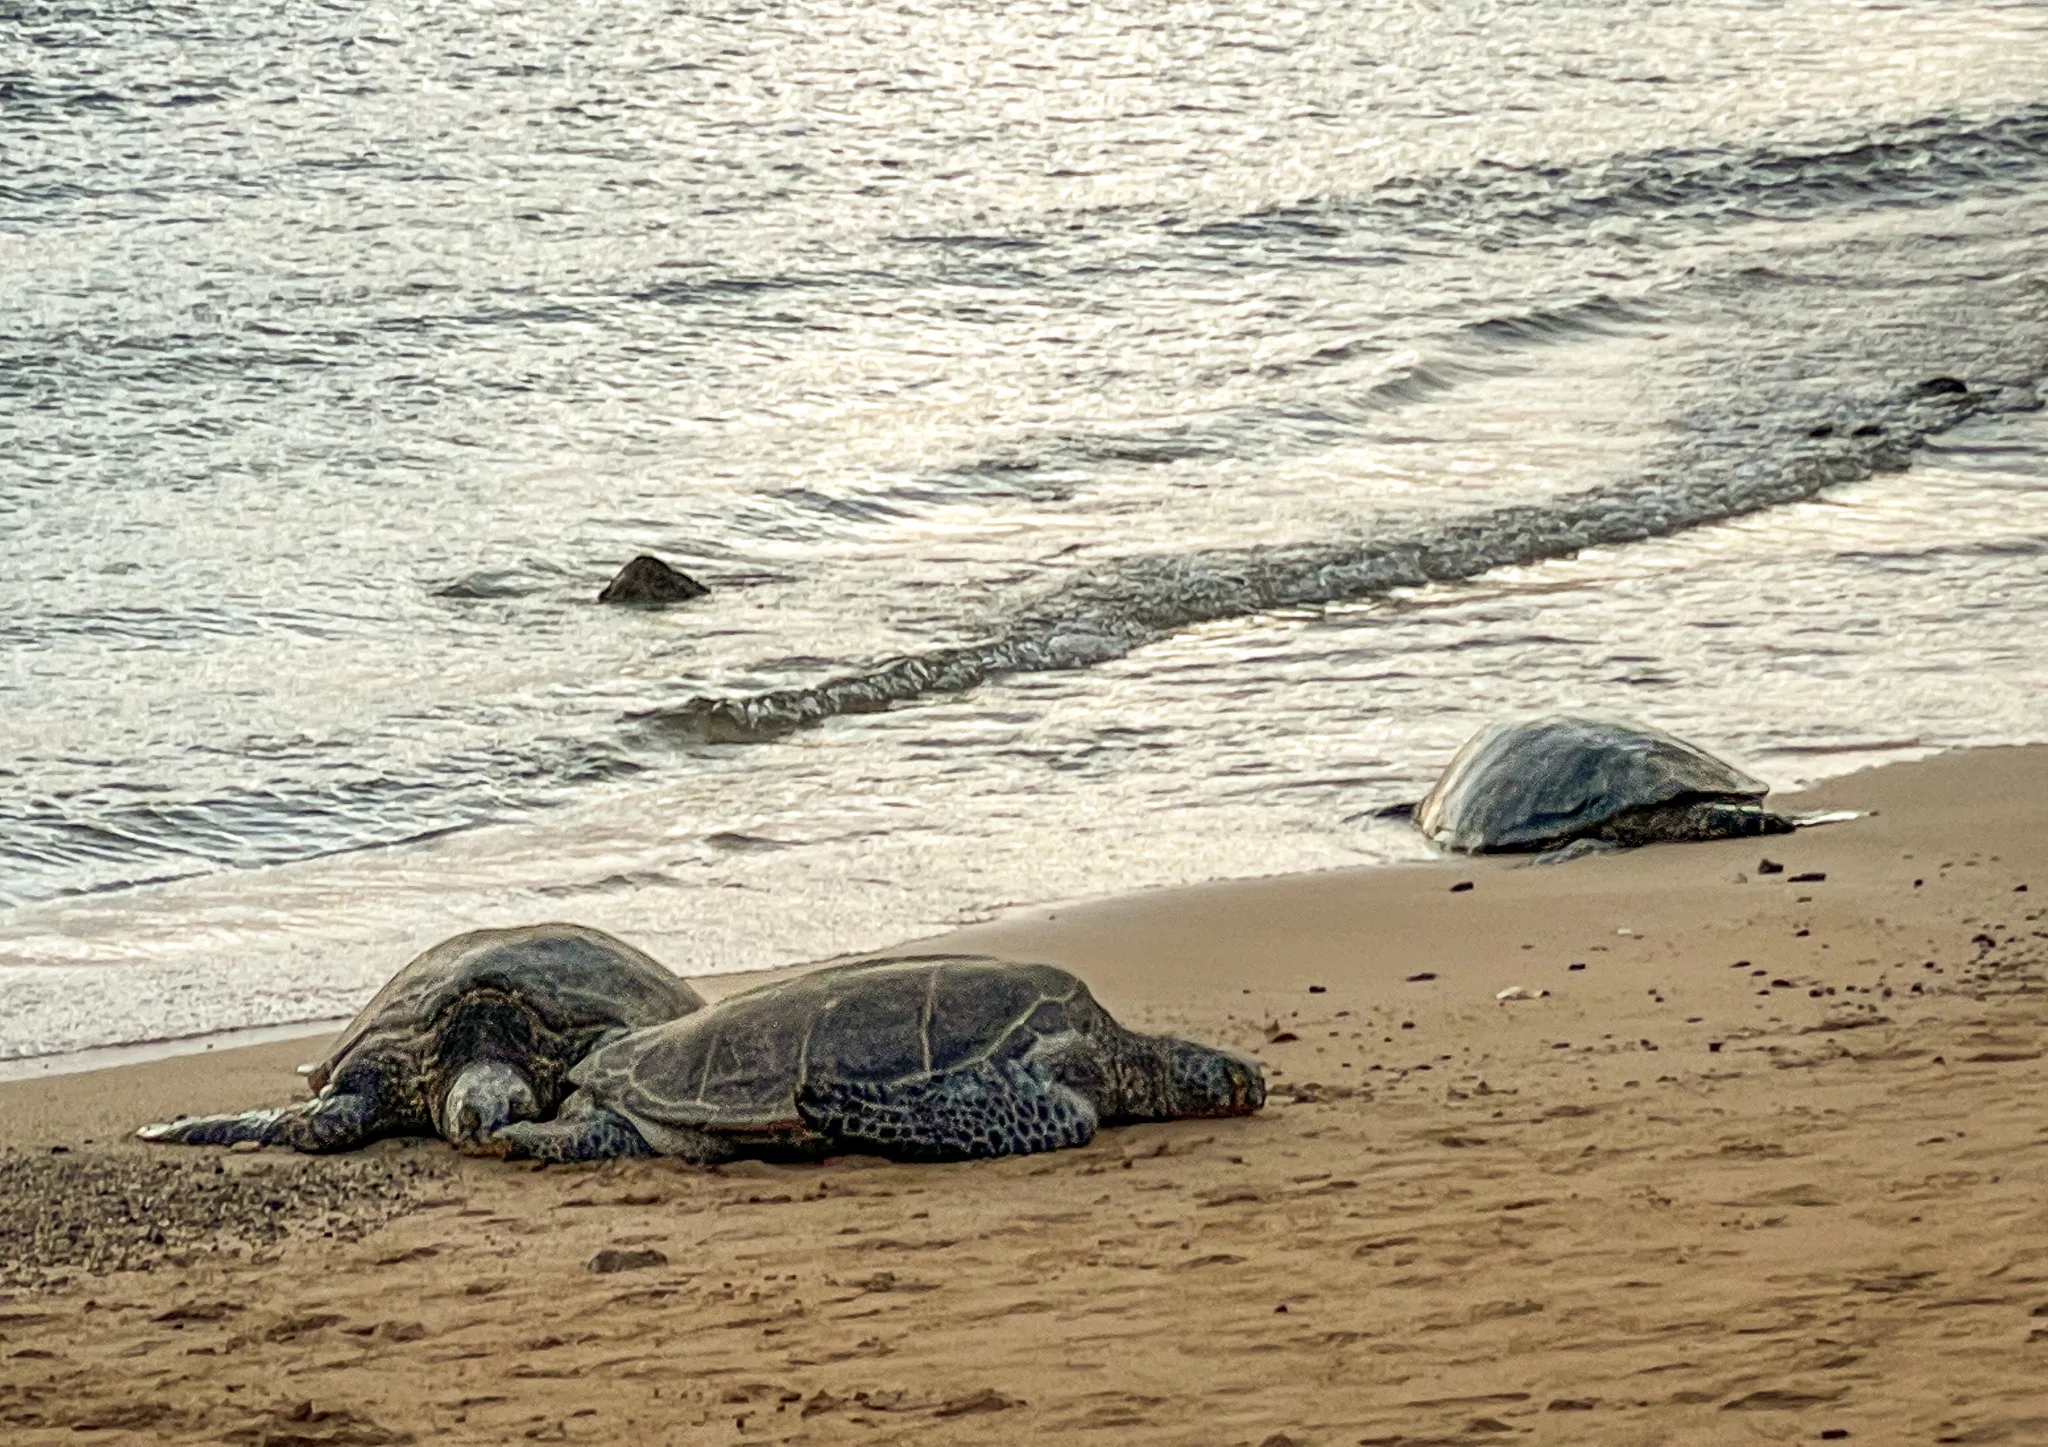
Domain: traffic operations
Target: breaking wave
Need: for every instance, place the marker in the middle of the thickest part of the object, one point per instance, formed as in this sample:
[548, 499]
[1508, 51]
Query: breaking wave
[1136, 601]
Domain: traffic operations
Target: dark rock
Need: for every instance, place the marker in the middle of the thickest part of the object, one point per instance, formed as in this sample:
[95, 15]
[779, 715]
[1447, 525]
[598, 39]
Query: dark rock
[1461, 886]
[612, 1258]
[647, 579]
[1814, 878]
[988, 1399]
[1769, 866]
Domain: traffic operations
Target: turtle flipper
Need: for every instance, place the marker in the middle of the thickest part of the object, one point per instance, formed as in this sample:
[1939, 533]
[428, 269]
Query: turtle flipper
[336, 1121]
[1690, 822]
[991, 1108]
[582, 1131]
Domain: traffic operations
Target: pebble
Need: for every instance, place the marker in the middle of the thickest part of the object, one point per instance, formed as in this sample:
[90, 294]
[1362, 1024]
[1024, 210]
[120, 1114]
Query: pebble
[92, 1212]
[612, 1258]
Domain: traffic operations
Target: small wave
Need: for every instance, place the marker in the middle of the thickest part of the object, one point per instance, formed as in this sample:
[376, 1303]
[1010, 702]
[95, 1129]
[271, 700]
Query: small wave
[97, 841]
[2017, 547]
[1935, 158]
[1047, 464]
[1109, 613]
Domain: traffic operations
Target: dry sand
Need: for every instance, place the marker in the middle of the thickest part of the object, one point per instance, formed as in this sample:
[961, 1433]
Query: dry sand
[1772, 1167]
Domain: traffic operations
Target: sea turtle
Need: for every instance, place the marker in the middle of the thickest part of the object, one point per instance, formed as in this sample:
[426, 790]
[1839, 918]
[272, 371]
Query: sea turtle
[472, 1035]
[928, 1057]
[1543, 782]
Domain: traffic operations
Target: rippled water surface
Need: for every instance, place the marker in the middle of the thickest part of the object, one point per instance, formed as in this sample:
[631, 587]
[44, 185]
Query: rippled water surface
[1127, 444]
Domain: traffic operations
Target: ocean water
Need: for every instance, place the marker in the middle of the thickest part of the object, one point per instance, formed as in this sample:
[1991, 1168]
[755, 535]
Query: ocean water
[1129, 444]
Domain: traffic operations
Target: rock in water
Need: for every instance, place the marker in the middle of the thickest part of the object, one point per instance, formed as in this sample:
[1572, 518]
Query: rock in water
[647, 579]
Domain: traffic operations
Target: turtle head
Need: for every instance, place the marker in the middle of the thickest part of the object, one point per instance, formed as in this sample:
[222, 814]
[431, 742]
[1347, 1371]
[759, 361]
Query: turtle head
[486, 1096]
[1204, 1080]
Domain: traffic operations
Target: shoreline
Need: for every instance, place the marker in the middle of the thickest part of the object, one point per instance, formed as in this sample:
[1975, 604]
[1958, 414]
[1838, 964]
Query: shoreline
[1766, 1161]
[1005, 927]
[1105, 938]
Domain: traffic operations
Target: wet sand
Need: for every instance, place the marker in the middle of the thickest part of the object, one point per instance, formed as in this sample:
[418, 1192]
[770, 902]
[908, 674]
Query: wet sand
[1771, 1167]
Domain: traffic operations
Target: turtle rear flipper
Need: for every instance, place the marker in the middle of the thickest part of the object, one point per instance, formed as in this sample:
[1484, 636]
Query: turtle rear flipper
[583, 1131]
[989, 1108]
[1688, 821]
[335, 1122]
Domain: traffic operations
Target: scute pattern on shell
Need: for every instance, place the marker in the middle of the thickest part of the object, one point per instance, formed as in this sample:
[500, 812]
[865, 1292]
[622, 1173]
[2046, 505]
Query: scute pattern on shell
[580, 981]
[1536, 783]
[740, 1065]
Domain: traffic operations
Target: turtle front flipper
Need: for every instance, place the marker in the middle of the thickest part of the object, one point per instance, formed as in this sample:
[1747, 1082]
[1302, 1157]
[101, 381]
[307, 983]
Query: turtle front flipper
[582, 1131]
[990, 1108]
[334, 1122]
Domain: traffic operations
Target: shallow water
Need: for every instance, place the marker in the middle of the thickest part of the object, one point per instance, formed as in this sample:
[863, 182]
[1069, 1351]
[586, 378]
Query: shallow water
[1293, 390]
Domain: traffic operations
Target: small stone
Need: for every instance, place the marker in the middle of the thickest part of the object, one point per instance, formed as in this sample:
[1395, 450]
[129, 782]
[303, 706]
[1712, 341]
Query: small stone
[1812, 878]
[1769, 866]
[647, 579]
[1461, 886]
[243, 1148]
[1423, 975]
[613, 1258]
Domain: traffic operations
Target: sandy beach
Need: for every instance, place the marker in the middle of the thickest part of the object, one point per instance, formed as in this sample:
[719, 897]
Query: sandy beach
[1762, 1158]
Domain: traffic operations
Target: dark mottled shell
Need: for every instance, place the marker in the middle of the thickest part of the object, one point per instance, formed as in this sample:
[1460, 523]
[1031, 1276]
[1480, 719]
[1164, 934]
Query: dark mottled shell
[580, 981]
[1540, 782]
[737, 1066]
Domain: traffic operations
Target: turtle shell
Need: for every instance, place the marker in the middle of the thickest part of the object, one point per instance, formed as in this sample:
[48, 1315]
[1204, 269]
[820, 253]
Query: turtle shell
[581, 982]
[1540, 782]
[736, 1067]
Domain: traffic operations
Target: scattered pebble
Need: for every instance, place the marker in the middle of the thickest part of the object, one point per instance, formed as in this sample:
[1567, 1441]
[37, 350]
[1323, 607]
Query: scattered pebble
[1769, 866]
[1814, 877]
[1518, 992]
[1461, 886]
[612, 1258]
[1424, 975]
[92, 1213]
